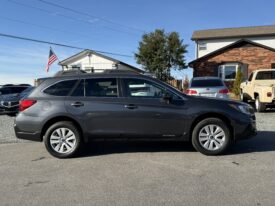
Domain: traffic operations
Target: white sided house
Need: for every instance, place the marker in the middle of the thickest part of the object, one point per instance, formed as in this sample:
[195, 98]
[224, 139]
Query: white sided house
[221, 52]
[211, 40]
[93, 62]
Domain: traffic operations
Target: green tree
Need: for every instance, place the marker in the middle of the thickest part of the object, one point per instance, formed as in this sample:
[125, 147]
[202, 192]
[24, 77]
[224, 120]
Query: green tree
[159, 52]
[238, 80]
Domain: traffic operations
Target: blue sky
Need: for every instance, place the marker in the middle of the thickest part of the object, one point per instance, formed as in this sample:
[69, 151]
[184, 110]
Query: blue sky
[113, 26]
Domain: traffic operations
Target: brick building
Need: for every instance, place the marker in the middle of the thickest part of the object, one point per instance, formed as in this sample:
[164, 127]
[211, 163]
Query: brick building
[220, 52]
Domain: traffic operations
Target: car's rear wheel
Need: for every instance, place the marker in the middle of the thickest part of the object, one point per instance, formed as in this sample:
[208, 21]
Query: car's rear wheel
[260, 107]
[62, 139]
[211, 136]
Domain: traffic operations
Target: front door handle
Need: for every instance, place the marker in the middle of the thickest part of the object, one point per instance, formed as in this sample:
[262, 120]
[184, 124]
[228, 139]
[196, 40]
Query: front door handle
[77, 104]
[130, 106]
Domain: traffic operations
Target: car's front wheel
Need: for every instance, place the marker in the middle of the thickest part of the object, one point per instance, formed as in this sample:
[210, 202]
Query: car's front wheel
[242, 96]
[211, 136]
[62, 139]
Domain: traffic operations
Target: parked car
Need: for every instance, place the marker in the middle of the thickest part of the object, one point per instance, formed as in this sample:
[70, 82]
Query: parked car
[208, 87]
[67, 111]
[260, 87]
[13, 89]
[9, 103]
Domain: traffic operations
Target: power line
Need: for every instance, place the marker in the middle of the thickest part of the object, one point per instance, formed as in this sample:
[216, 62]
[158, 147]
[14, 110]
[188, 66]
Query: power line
[48, 28]
[44, 27]
[43, 10]
[68, 17]
[89, 15]
[61, 45]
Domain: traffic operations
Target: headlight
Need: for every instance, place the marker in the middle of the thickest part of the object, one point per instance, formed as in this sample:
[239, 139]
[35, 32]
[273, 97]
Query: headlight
[243, 108]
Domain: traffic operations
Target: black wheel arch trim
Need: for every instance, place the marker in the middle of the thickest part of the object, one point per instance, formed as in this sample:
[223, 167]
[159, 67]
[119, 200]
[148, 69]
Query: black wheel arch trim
[60, 118]
[207, 115]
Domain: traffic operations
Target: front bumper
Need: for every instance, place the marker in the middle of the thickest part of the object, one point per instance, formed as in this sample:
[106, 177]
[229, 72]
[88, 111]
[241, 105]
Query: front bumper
[6, 110]
[247, 129]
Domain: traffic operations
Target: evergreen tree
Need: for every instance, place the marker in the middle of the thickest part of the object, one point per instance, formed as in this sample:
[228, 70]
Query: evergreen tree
[159, 52]
[238, 80]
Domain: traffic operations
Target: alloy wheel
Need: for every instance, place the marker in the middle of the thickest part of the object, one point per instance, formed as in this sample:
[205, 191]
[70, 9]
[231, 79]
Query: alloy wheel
[257, 104]
[212, 137]
[63, 140]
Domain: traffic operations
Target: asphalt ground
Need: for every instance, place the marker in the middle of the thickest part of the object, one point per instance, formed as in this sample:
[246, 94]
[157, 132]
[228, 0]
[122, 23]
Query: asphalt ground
[139, 173]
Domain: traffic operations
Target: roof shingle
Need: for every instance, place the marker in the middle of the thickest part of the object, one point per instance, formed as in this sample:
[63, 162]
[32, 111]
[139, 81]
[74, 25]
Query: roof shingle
[241, 32]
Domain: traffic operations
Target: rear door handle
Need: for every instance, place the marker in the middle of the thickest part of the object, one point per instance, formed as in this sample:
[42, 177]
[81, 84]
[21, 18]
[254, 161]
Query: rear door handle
[130, 106]
[77, 104]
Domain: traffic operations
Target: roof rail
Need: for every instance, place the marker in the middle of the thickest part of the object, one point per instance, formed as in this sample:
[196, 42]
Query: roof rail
[69, 73]
[119, 71]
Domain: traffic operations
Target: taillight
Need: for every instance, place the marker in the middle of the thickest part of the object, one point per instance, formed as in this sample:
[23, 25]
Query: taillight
[191, 91]
[224, 91]
[25, 104]
[269, 94]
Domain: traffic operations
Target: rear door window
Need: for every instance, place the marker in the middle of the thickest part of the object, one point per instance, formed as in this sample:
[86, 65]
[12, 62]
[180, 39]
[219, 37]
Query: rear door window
[207, 83]
[101, 87]
[61, 88]
[79, 90]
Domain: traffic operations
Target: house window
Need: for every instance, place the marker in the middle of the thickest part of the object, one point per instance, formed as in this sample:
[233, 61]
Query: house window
[272, 65]
[202, 46]
[227, 72]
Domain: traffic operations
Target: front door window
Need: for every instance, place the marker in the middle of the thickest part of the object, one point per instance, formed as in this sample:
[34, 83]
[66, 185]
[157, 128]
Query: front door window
[143, 89]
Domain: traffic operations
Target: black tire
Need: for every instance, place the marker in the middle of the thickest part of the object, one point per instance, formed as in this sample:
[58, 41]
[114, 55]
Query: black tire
[243, 98]
[69, 126]
[259, 106]
[227, 141]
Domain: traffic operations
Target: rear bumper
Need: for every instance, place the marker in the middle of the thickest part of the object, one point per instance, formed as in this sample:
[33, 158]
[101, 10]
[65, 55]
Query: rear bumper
[35, 136]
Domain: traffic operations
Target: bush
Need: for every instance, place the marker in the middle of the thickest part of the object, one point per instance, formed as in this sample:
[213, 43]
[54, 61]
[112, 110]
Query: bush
[237, 83]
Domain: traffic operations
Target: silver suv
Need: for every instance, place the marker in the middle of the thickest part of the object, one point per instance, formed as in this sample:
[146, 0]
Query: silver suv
[208, 87]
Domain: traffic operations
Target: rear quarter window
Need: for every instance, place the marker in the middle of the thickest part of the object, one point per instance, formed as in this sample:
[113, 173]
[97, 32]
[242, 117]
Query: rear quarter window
[61, 88]
[265, 75]
[207, 83]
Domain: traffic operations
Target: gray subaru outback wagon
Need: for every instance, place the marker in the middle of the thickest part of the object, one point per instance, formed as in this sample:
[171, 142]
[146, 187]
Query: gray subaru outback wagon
[67, 111]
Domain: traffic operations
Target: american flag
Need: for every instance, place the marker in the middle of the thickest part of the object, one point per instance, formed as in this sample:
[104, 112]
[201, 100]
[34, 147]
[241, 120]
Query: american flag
[51, 60]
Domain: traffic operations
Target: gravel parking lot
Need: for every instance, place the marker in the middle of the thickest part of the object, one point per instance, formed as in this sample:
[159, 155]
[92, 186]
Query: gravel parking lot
[139, 173]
